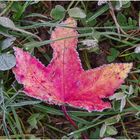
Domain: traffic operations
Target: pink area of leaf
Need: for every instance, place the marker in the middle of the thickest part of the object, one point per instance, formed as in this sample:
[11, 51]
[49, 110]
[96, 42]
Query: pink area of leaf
[64, 81]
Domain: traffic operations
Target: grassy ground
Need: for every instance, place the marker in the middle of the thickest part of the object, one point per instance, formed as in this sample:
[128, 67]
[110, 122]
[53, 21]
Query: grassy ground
[114, 27]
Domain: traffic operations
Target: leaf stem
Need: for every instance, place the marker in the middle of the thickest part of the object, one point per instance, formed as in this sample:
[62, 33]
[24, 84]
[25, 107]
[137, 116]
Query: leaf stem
[68, 117]
[70, 120]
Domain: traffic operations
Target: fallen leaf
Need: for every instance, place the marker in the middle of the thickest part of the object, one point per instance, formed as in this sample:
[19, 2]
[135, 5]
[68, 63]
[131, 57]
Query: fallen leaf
[64, 81]
[58, 12]
[7, 43]
[7, 61]
[76, 12]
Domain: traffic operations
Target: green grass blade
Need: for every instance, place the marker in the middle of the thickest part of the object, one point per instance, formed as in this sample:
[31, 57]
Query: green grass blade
[98, 13]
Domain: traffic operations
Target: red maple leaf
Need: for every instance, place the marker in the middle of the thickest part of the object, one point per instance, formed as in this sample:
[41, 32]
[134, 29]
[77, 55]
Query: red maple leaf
[64, 81]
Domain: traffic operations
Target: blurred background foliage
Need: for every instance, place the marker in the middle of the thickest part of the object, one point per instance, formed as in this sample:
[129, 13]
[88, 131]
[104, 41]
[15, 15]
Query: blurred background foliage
[108, 32]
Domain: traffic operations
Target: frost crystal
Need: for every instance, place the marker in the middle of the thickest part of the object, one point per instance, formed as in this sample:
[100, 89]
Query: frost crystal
[90, 42]
[137, 49]
[100, 2]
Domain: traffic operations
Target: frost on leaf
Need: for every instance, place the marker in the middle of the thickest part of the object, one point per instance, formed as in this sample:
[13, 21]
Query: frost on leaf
[64, 81]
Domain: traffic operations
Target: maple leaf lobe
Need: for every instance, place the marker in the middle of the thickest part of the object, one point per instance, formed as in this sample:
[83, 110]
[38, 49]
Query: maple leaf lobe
[64, 81]
[99, 83]
[32, 74]
[68, 35]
